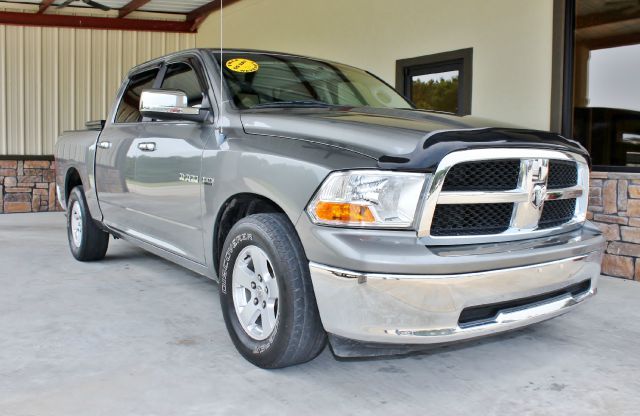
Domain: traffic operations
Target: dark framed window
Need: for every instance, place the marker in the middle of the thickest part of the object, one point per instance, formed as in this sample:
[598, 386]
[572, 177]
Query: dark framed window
[439, 82]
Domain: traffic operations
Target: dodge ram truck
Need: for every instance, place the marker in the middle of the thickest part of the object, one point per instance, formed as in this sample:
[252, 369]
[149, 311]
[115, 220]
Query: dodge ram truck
[328, 207]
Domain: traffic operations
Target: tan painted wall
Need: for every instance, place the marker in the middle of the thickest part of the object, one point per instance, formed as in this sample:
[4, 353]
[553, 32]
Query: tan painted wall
[55, 79]
[511, 40]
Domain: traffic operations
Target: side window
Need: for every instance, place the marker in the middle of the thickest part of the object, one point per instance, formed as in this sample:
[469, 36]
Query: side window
[128, 110]
[440, 82]
[182, 77]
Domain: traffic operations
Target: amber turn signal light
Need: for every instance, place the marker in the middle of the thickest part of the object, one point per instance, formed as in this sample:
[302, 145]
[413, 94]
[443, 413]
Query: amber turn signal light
[337, 211]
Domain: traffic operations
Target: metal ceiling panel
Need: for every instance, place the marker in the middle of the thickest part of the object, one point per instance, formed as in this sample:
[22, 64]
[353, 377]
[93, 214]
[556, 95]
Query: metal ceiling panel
[159, 6]
[173, 6]
[114, 4]
[20, 1]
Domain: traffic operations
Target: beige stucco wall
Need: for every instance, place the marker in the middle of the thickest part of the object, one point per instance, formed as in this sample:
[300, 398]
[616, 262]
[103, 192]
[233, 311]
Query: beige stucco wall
[511, 40]
[55, 79]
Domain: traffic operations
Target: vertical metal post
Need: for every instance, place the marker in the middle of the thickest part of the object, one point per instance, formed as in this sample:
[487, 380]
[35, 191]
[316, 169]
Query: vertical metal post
[567, 87]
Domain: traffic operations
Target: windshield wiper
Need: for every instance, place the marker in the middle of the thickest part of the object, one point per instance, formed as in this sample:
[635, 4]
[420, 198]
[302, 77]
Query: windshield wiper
[296, 103]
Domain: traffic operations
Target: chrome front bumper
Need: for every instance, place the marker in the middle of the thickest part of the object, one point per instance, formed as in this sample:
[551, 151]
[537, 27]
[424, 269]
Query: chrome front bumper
[425, 309]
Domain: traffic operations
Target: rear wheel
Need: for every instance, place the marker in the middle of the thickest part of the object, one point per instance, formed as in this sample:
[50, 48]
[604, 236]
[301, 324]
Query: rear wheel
[266, 293]
[86, 240]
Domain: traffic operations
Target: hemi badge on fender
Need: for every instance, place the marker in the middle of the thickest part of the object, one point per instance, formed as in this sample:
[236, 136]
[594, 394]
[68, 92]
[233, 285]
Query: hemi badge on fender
[185, 177]
[207, 181]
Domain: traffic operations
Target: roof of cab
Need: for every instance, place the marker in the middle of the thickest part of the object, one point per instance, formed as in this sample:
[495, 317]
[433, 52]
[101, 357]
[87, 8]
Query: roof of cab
[163, 58]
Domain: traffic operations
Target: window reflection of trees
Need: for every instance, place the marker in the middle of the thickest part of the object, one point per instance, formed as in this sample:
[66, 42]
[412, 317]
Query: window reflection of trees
[435, 94]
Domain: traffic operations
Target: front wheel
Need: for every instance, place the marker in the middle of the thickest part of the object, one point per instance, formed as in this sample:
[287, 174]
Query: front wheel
[86, 241]
[266, 293]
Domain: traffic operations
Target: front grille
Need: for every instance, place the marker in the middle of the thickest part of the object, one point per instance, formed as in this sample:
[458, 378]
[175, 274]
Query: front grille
[491, 195]
[562, 174]
[495, 175]
[476, 315]
[557, 212]
[471, 219]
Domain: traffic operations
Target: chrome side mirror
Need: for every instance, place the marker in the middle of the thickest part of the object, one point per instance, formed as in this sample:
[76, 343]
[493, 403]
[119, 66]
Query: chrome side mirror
[169, 105]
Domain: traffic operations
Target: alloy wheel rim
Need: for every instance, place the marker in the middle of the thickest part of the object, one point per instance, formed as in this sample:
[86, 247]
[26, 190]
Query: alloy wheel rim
[76, 224]
[255, 293]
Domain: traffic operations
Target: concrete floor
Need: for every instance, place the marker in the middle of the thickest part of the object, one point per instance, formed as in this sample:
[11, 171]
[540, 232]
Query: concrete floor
[136, 335]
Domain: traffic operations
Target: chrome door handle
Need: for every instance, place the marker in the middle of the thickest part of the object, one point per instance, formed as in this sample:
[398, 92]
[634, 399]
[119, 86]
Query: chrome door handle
[104, 145]
[147, 146]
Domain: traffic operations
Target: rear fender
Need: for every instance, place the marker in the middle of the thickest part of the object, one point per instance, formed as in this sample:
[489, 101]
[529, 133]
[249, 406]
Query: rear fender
[76, 150]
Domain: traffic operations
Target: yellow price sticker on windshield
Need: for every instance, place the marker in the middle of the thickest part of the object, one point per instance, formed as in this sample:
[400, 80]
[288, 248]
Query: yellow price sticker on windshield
[242, 65]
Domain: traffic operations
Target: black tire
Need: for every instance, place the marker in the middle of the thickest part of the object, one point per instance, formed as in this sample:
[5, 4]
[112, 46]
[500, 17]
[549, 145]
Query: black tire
[298, 336]
[94, 242]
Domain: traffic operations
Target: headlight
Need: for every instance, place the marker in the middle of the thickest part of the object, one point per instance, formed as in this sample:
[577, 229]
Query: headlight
[368, 198]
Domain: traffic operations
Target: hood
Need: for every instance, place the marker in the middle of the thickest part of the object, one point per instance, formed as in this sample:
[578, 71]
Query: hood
[398, 139]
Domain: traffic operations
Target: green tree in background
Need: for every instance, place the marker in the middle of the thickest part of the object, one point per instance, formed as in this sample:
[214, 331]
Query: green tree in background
[440, 95]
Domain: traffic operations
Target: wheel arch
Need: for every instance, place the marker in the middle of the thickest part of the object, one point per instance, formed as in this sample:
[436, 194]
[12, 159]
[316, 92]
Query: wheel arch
[235, 208]
[72, 179]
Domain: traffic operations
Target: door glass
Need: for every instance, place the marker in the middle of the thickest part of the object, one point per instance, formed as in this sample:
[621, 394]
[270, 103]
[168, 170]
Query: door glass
[183, 77]
[129, 108]
[436, 91]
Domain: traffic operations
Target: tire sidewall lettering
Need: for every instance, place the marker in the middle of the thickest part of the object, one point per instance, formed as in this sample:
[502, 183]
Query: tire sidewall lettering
[228, 255]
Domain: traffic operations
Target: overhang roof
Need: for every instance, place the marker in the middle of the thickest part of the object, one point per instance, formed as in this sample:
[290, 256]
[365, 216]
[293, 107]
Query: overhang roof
[146, 15]
[607, 23]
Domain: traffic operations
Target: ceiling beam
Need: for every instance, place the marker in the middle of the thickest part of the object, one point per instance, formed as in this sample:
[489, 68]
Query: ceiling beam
[600, 19]
[44, 5]
[612, 41]
[133, 5]
[205, 10]
[197, 16]
[91, 22]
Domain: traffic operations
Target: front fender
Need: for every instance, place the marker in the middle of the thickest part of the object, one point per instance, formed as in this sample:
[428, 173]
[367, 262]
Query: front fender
[285, 171]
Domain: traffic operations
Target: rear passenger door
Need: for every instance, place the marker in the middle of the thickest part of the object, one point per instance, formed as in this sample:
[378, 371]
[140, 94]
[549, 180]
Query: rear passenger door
[168, 186]
[116, 153]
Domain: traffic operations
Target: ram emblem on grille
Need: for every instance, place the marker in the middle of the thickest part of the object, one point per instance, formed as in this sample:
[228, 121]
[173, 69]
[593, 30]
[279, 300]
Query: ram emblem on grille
[539, 193]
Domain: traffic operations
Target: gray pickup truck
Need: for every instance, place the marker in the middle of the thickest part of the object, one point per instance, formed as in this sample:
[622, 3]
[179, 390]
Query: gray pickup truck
[328, 207]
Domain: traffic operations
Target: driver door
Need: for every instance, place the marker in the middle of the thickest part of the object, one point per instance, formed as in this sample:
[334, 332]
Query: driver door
[167, 190]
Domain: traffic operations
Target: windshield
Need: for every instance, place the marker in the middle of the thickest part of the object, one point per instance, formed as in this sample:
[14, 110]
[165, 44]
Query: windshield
[266, 80]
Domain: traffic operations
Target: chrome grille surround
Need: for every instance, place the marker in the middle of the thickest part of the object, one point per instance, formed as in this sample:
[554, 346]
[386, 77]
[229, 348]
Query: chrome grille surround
[528, 197]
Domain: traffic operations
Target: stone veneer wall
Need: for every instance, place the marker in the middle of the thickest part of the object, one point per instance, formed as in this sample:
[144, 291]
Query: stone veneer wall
[28, 186]
[614, 206]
